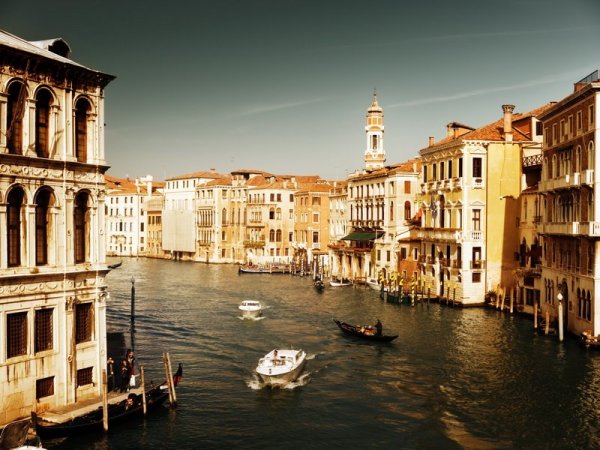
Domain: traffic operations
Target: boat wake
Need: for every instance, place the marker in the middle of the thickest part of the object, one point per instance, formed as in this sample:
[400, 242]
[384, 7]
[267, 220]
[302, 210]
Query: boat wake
[256, 384]
[255, 319]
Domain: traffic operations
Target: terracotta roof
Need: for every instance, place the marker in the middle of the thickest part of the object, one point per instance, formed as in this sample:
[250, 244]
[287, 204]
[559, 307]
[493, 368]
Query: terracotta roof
[207, 174]
[494, 131]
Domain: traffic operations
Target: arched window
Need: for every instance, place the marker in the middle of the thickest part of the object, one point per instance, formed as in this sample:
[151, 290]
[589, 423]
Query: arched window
[224, 216]
[278, 236]
[15, 111]
[42, 120]
[81, 223]
[82, 109]
[391, 211]
[590, 162]
[43, 201]
[272, 236]
[14, 226]
[407, 210]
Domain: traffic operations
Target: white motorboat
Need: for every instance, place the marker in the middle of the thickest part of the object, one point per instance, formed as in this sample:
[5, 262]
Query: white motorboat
[373, 283]
[280, 366]
[340, 282]
[250, 308]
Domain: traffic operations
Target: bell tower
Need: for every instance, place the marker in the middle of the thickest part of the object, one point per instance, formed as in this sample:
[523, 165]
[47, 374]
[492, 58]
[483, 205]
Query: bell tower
[375, 153]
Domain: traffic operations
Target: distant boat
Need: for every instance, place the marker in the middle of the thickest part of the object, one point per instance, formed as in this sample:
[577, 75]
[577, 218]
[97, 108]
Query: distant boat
[368, 333]
[340, 282]
[268, 268]
[250, 308]
[115, 266]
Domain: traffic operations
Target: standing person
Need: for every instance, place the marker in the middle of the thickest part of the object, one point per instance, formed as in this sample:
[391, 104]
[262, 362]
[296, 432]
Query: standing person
[127, 370]
[110, 372]
[130, 359]
[379, 327]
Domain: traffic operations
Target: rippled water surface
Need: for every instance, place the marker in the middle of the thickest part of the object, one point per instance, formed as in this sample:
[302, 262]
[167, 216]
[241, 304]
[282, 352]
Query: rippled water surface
[455, 378]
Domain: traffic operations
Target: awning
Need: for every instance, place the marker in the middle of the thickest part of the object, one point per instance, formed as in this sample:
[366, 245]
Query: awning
[360, 236]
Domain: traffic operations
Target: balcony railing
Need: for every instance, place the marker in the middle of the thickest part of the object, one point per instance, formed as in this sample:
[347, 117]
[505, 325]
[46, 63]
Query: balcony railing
[478, 264]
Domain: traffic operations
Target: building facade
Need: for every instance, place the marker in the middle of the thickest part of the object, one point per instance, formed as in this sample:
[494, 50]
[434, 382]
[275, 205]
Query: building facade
[52, 163]
[571, 217]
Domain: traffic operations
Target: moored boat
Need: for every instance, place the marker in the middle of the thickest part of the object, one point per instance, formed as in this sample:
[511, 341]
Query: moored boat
[339, 282]
[368, 333]
[250, 308]
[375, 284]
[268, 268]
[281, 366]
[118, 413]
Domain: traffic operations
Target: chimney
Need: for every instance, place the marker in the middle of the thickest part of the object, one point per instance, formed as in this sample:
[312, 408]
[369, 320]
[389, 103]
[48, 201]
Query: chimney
[508, 115]
[431, 140]
[449, 130]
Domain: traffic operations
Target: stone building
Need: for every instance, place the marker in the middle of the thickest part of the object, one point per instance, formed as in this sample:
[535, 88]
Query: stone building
[126, 215]
[52, 250]
[571, 220]
[470, 189]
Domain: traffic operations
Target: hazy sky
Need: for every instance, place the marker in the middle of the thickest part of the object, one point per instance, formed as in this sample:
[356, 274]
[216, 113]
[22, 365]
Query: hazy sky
[283, 85]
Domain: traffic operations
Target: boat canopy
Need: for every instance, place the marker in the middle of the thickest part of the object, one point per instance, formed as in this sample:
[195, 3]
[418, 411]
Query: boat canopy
[361, 236]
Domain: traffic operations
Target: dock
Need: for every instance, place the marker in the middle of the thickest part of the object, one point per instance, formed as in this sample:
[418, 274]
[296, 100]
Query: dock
[69, 412]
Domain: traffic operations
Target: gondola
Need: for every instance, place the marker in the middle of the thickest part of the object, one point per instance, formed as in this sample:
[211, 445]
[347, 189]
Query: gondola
[114, 266]
[353, 330]
[118, 413]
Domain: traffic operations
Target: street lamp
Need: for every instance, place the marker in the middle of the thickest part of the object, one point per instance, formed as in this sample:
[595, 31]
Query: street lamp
[560, 315]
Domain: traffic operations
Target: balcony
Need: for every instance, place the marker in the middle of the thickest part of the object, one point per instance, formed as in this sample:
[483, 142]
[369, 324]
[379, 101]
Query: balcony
[439, 234]
[478, 264]
[564, 228]
[588, 177]
[254, 244]
[589, 228]
[457, 183]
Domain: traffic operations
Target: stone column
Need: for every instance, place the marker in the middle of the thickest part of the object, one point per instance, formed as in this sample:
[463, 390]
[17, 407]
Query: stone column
[3, 121]
[30, 237]
[3, 240]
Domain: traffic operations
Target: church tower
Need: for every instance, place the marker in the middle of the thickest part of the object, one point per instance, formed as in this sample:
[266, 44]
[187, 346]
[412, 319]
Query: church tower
[375, 153]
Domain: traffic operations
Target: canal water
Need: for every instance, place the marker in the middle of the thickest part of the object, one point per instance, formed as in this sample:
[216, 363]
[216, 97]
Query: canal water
[455, 378]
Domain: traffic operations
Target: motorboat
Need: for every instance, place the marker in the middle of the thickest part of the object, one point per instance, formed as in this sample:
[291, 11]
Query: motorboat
[374, 283]
[339, 282]
[250, 308]
[281, 366]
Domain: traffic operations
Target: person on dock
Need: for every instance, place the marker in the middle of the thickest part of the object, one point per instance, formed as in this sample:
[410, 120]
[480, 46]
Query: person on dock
[127, 371]
[378, 327]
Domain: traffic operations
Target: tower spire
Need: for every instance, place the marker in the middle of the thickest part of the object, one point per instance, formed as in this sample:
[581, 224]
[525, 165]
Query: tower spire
[375, 152]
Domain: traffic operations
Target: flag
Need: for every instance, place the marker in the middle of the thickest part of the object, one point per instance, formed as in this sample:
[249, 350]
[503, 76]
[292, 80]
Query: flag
[178, 375]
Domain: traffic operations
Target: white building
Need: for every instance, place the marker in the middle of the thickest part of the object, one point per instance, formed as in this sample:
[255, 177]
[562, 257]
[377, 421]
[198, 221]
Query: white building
[179, 227]
[126, 218]
[52, 267]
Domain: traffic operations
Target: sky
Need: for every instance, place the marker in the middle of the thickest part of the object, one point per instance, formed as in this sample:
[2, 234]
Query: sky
[283, 86]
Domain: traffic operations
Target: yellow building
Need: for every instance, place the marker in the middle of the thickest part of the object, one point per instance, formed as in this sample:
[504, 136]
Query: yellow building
[469, 201]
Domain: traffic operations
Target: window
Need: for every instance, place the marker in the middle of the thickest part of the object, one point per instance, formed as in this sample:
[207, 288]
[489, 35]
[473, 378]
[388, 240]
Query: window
[13, 229]
[81, 218]
[476, 277]
[450, 169]
[434, 174]
[43, 330]
[278, 197]
[591, 115]
[460, 173]
[278, 235]
[44, 387]
[83, 322]
[42, 202]
[315, 217]
[17, 93]
[316, 201]
[315, 237]
[42, 119]
[477, 168]
[407, 210]
[407, 187]
[388, 255]
[442, 172]
[82, 110]
[271, 214]
[476, 220]
[16, 334]
[425, 174]
[85, 376]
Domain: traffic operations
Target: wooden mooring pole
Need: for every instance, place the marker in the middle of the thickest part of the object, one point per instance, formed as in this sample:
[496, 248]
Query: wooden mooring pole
[169, 379]
[104, 401]
[132, 299]
[174, 395]
[143, 389]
